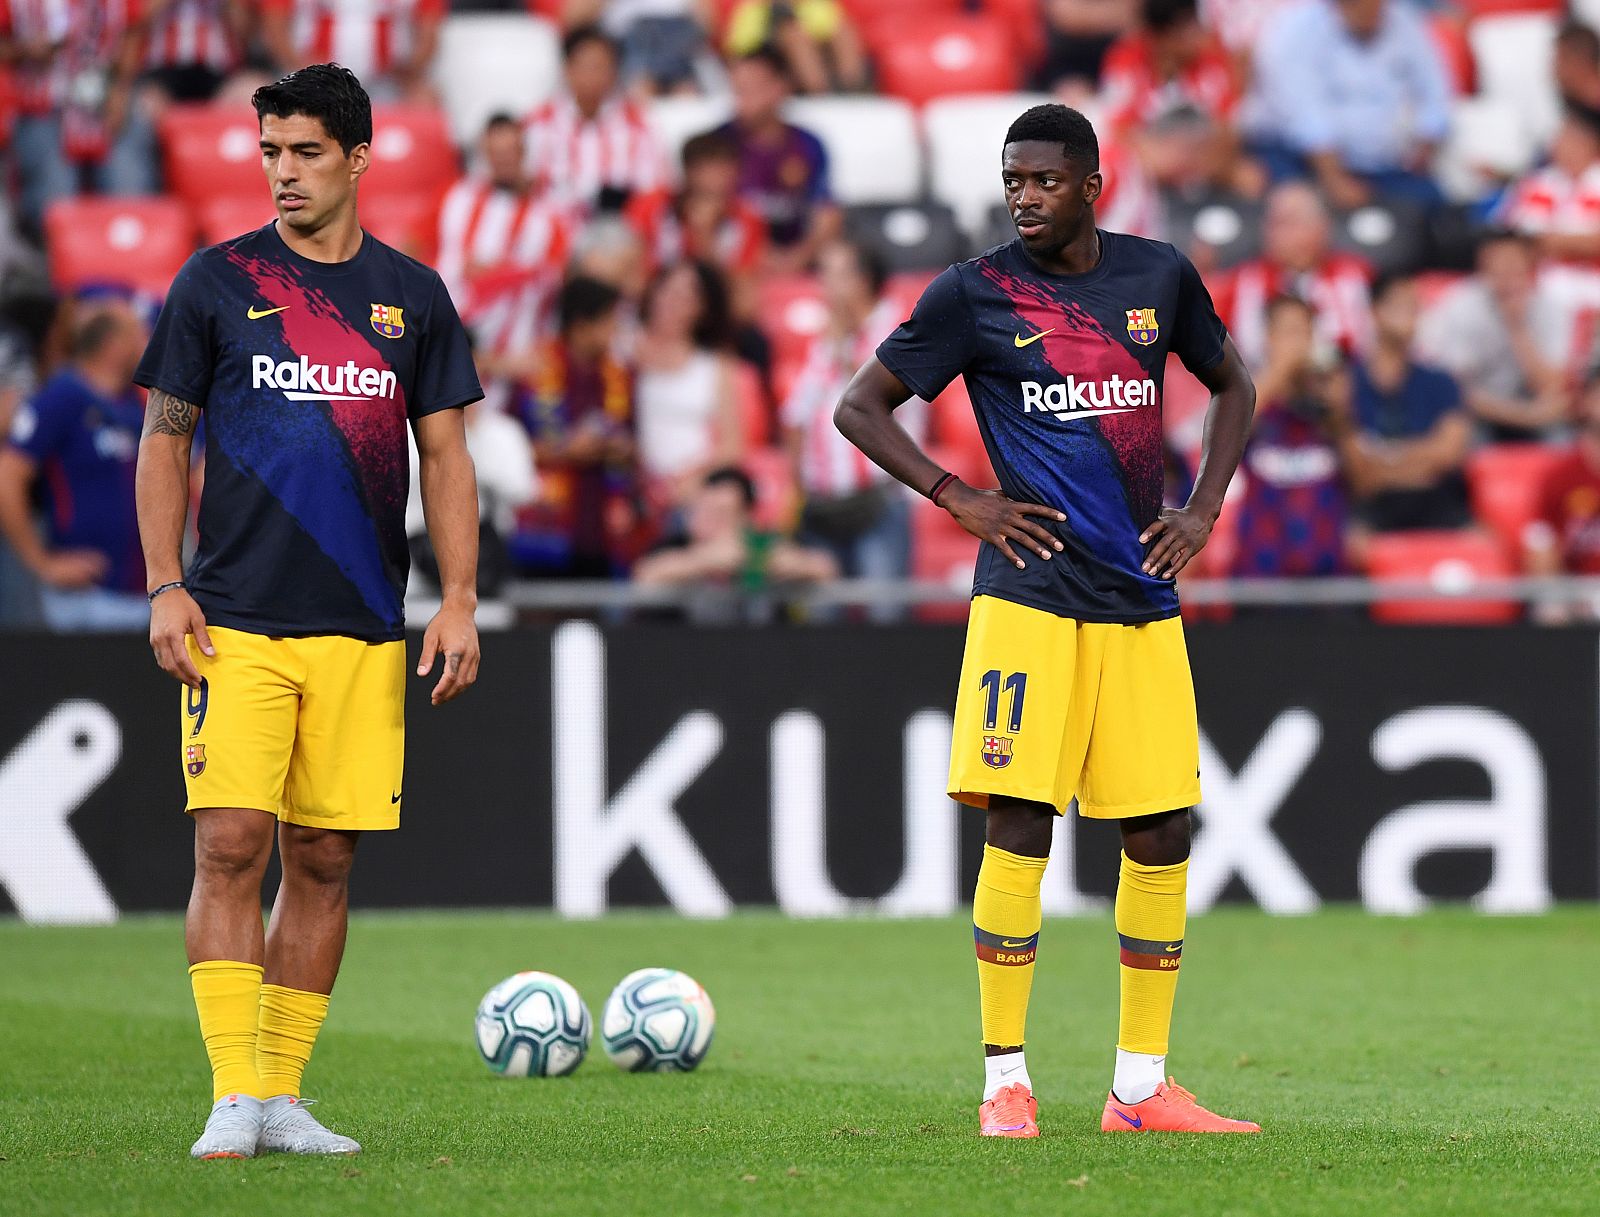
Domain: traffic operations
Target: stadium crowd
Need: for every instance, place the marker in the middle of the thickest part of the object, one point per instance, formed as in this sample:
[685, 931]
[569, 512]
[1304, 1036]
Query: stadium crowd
[676, 227]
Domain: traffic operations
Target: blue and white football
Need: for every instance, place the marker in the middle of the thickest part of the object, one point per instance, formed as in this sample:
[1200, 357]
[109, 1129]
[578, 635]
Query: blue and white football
[533, 1024]
[657, 1019]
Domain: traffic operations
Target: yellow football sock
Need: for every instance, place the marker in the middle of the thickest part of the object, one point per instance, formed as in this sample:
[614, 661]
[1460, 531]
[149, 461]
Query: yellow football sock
[1006, 913]
[227, 994]
[1150, 919]
[290, 1020]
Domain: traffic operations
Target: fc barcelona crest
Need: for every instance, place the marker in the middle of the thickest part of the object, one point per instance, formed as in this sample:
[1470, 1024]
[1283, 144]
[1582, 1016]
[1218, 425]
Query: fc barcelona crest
[997, 751]
[1142, 327]
[194, 759]
[390, 320]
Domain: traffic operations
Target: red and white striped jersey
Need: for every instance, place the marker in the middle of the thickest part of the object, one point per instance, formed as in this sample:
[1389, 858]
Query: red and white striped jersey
[367, 36]
[831, 465]
[735, 247]
[1337, 289]
[85, 32]
[192, 32]
[1129, 201]
[575, 157]
[1552, 201]
[500, 255]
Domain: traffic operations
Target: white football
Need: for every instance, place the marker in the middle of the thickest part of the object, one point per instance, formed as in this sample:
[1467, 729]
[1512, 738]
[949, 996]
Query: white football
[657, 1019]
[533, 1024]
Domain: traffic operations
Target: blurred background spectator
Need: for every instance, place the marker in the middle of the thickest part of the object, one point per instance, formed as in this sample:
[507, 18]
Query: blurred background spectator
[589, 145]
[722, 551]
[389, 44]
[1500, 335]
[1170, 88]
[688, 415]
[783, 169]
[1298, 259]
[1352, 94]
[501, 245]
[666, 45]
[1408, 447]
[75, 442]
[851, 507]
[1078, 34]
[1564, 536]
[816, 38]
[578, 406]
[75, 122]
[502, 457]
[1295, 508]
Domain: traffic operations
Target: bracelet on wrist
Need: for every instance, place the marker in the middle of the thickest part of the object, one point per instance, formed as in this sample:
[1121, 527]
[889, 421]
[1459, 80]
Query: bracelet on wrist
[165, 587]
[940, 487]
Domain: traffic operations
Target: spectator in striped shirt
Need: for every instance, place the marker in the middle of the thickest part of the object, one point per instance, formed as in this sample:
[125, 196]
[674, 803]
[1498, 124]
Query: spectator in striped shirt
[502, 247]
[191, 46]
[1298, 259]
[852, 508]
[706, 219]
[75, 66]
[783, 169]
[1170, 91]
[389, 44]
[589, 145]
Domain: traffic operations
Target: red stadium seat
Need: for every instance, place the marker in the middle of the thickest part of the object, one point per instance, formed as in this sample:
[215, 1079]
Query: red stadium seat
[212, 152]
[777, 497]
[412, 153]
[409, 222]
[945, 54]
[1505, 481]
[1447, 560]
[792, 314]
[755, 416]
[905, 288]
[1026, 23]
[141, 242]
[941, 551]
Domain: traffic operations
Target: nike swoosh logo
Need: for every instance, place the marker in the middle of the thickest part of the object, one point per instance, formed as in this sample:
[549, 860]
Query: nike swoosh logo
[257, 315]
[394, 798]
[1137, 1123]
[1005, 1073]
[1170, 949]
[1022, 342]
[1006, 942]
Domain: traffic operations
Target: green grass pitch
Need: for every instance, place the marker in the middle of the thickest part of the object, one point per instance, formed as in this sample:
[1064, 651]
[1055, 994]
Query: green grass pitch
[1443, 1065]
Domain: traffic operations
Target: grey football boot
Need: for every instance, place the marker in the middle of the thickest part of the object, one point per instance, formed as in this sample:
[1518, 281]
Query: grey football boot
[288, 1128]
[233, 1129]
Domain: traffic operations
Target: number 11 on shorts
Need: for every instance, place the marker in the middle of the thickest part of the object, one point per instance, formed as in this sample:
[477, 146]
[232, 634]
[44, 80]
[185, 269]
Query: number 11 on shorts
[1016, 685]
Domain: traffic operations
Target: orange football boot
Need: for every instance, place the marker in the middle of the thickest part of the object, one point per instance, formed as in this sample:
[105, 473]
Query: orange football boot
[1170, 1109]
[1013, 1112]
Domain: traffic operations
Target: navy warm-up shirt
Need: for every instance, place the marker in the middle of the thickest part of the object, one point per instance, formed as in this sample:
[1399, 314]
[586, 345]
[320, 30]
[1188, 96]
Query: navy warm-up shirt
[307, 372]
[1065, 373]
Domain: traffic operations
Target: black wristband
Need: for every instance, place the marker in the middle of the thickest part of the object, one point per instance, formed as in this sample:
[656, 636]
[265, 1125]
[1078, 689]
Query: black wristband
[935, 490]
[165, 587]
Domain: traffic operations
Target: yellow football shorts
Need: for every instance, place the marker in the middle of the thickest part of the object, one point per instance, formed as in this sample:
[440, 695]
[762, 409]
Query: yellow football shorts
[1051, 708]
[310, 729]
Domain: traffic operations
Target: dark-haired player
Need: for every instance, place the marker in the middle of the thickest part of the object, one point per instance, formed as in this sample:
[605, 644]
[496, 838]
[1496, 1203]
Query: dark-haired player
[310, 347]
[1075, 681]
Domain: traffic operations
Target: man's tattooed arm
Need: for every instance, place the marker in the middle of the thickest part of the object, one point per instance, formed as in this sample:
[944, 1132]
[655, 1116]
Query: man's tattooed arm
[165, 414]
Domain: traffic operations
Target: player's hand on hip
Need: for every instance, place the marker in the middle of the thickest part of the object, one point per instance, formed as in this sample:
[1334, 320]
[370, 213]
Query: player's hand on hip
[990, 516]
[1179, 535]
[454, 635]
[173, 617]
